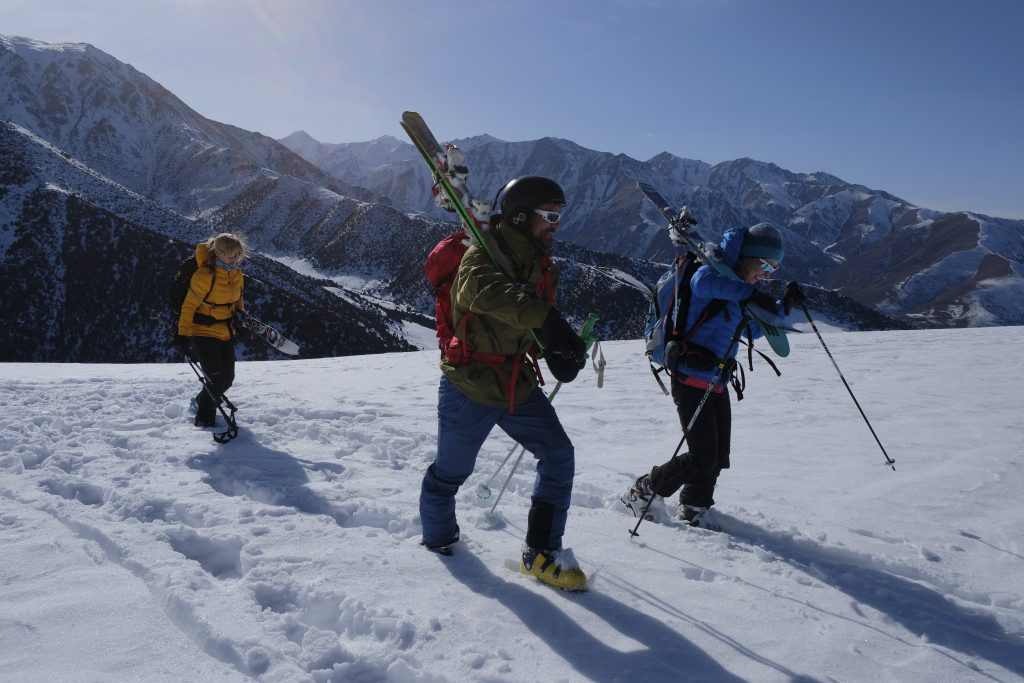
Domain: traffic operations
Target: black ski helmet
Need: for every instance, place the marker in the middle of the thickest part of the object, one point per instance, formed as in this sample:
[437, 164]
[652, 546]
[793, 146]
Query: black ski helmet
[495, 215]
[521, 196]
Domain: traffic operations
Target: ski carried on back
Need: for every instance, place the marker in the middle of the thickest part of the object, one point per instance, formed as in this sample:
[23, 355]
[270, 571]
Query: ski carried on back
[267, 333]
[450, 175]
[680, 224]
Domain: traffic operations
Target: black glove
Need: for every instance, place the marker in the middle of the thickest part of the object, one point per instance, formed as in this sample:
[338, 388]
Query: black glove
[765, 301]
[793, 296]
[183, 343]
[559, 339]
[562, 368]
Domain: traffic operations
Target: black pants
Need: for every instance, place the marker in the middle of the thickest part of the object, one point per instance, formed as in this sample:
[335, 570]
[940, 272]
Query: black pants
[217, 359]
[696, 470]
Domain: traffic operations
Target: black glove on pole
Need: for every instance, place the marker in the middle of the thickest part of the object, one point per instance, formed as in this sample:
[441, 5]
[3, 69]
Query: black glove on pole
[559, 339]
[793, 296]
[765, 301]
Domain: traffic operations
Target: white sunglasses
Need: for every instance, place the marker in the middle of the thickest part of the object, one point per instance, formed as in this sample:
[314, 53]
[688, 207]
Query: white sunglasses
[549, 216]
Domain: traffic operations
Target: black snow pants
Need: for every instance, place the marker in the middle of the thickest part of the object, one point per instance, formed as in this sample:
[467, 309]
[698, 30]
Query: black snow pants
[697, 470]
[217, 359]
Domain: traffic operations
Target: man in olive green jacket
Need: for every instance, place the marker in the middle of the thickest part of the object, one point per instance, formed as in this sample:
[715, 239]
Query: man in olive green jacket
[503, 304]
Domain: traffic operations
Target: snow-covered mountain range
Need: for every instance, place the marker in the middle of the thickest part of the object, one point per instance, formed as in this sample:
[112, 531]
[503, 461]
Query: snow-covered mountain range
[944, 269]
[108, 179]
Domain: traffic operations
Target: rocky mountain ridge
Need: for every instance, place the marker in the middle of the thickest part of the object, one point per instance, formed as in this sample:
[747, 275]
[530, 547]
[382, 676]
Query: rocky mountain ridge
[930, 267]
[109, 180]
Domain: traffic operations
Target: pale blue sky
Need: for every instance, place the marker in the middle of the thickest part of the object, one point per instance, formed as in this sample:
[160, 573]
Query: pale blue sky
[922, 98]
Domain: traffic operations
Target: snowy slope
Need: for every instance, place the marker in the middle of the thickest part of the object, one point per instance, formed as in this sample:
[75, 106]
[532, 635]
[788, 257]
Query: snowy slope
[136, 548]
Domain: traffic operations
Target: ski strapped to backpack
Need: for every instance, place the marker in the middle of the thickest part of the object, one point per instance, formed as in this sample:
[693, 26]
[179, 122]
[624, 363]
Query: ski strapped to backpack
[452, 193]
[450, 176]
[449, 179]
[668, 339]
[773, 326]
[666, 335]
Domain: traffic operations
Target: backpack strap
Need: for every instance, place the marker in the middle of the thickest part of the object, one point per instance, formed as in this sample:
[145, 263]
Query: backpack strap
[213, 280]
[457, 351]
[203, 319]
[546, 287]
[750, 357]
[713, 308]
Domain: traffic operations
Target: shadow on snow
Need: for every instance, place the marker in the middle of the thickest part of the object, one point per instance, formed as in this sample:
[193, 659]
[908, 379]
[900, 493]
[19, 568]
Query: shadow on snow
[923, 610]
[665, 655]
[246, 468]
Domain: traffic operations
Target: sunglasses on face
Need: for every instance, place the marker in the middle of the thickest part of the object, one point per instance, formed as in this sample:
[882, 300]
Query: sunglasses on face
[767, 267]
[549, 216]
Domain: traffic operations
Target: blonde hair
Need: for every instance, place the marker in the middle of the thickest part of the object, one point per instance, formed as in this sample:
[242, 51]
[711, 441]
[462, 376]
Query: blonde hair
[227, 243]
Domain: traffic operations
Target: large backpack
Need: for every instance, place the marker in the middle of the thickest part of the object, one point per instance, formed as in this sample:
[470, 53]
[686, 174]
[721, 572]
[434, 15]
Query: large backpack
[183, 282]
[440, 268]
[666, 336]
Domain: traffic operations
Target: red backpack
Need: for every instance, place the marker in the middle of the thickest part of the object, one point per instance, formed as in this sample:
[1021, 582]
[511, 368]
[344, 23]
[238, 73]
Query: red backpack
[440, 267]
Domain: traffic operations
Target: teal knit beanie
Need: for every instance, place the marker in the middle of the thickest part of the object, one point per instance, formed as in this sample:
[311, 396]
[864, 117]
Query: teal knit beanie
[762, 241]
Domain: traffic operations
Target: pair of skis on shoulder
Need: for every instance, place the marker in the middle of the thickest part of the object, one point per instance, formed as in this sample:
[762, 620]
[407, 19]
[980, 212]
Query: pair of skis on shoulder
[451, 177]
[445, 163]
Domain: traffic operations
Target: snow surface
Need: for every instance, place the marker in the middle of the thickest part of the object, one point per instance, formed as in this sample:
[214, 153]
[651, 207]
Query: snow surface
[136, 548]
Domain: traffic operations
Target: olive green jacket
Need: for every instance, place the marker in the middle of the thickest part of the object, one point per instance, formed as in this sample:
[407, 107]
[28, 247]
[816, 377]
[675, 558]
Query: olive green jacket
[504, 315]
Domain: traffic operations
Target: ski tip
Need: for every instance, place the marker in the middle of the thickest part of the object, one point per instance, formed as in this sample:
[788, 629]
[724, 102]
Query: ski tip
[290, 349]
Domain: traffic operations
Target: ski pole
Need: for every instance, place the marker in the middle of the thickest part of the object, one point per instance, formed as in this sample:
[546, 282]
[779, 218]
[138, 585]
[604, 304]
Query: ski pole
[888, 461]
[483, 491]
[218, 399]
[522, 450]
[515, 465]
[719, 369]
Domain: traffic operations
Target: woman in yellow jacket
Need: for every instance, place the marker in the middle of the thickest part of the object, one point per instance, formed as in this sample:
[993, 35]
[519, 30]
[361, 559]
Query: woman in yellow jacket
[215, 293]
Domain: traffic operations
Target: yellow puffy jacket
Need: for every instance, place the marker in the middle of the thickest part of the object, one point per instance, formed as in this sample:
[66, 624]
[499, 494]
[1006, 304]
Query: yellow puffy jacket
[211, 316]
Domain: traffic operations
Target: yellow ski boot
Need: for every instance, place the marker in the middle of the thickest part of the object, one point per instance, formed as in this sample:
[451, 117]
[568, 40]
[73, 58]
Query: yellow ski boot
[556, 568]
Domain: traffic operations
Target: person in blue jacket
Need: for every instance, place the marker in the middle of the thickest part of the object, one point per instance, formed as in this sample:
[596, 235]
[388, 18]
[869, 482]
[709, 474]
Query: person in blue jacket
[753, 254]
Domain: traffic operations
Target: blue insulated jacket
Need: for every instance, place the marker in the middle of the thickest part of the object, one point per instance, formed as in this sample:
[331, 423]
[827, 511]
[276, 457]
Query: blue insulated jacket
[707, 284]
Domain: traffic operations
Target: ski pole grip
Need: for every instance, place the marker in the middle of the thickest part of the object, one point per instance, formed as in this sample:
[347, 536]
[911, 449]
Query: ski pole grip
[587, 330]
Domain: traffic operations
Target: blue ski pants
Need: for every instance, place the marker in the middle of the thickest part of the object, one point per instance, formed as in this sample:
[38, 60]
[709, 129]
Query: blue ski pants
[462, 428]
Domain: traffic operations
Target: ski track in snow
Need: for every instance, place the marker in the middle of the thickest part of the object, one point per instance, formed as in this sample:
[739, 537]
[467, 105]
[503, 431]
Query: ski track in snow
[292, 552]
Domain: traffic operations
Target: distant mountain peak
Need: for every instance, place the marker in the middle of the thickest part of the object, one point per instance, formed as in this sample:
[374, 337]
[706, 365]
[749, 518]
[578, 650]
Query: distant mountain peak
[10, 42]
[299, 137]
